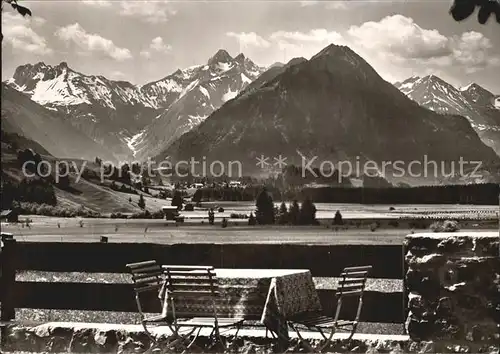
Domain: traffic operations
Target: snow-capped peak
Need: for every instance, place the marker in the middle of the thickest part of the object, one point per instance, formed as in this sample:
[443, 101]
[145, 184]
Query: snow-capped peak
[203, 89]
[408, 85]
[240, 58]
[466, 87]
[472, 102]
[479, 95]
[61, 86]
[143, 117]
[222, 56]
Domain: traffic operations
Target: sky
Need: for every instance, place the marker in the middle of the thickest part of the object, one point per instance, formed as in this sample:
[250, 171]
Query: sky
[144, 41]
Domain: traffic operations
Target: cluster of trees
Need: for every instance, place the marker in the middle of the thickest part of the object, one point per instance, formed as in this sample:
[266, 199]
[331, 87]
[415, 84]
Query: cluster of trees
[125, 173]
[185, 176]
[177, 200]
[294, 176]
[30, 208]
[164, 194]
[32, 162]
[266, 213]
[248, 193]
[63, 181]
[33, 190]
[485, 194]
[211, 216]
[120, 174]
[141, 203]
[480, 194]
[223, 193]
[123, 188]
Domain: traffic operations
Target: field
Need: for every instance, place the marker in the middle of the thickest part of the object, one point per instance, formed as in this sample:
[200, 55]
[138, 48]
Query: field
[196, 228]
[155, 231]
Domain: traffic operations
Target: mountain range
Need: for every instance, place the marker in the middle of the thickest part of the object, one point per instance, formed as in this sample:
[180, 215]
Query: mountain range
[194, 94]
[333, 107]
[51, 129]
[98, 107]
[477, 104]
[136, 121]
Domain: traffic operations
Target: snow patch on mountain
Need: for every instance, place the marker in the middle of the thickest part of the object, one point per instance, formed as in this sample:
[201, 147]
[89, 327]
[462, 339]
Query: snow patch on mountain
[466, 87]
[195, 121]
[205, 92]
[409, 84]
[188, 72]
[61, 86]
[206, 89]
[188, 88]
[473, 102]
[57, 92]
[137, 117]
[229, 95]
[245, 79]
[170, 85]
[223, 67]
[132, 141]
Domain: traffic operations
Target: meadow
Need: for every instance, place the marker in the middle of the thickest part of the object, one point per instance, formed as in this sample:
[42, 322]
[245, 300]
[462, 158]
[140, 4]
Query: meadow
[392, 228]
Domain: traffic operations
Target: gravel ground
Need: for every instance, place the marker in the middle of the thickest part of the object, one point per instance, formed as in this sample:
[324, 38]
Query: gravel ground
[385, 285]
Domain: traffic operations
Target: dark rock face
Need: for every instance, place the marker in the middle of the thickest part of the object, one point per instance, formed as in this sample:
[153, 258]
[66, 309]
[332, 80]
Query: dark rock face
[453, 282]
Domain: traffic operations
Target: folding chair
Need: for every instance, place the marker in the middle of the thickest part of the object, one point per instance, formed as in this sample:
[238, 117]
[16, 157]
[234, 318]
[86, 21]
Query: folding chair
[200, 283]
[352, 284]
[147, 277]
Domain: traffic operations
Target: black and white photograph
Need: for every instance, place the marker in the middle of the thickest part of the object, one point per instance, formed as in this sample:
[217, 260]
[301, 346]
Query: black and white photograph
[250, 176]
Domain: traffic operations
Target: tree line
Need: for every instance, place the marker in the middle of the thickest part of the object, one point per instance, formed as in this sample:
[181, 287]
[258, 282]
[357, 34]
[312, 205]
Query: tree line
[480, 194]
[223, 193]
[33, 190]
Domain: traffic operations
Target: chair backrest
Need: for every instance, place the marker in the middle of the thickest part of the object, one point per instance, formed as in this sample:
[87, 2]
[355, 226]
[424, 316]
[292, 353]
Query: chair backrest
[147, 276]
[191, 281]
[352, 284]
[353, 281]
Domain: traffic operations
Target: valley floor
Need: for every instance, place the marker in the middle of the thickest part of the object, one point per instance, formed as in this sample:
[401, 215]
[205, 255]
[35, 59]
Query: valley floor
[46, 229]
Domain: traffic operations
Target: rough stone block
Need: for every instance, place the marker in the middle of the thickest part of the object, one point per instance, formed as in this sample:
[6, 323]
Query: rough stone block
[453, 281]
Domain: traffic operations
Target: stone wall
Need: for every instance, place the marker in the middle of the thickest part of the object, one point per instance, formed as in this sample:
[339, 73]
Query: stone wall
[453, 286]
[127, 339]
